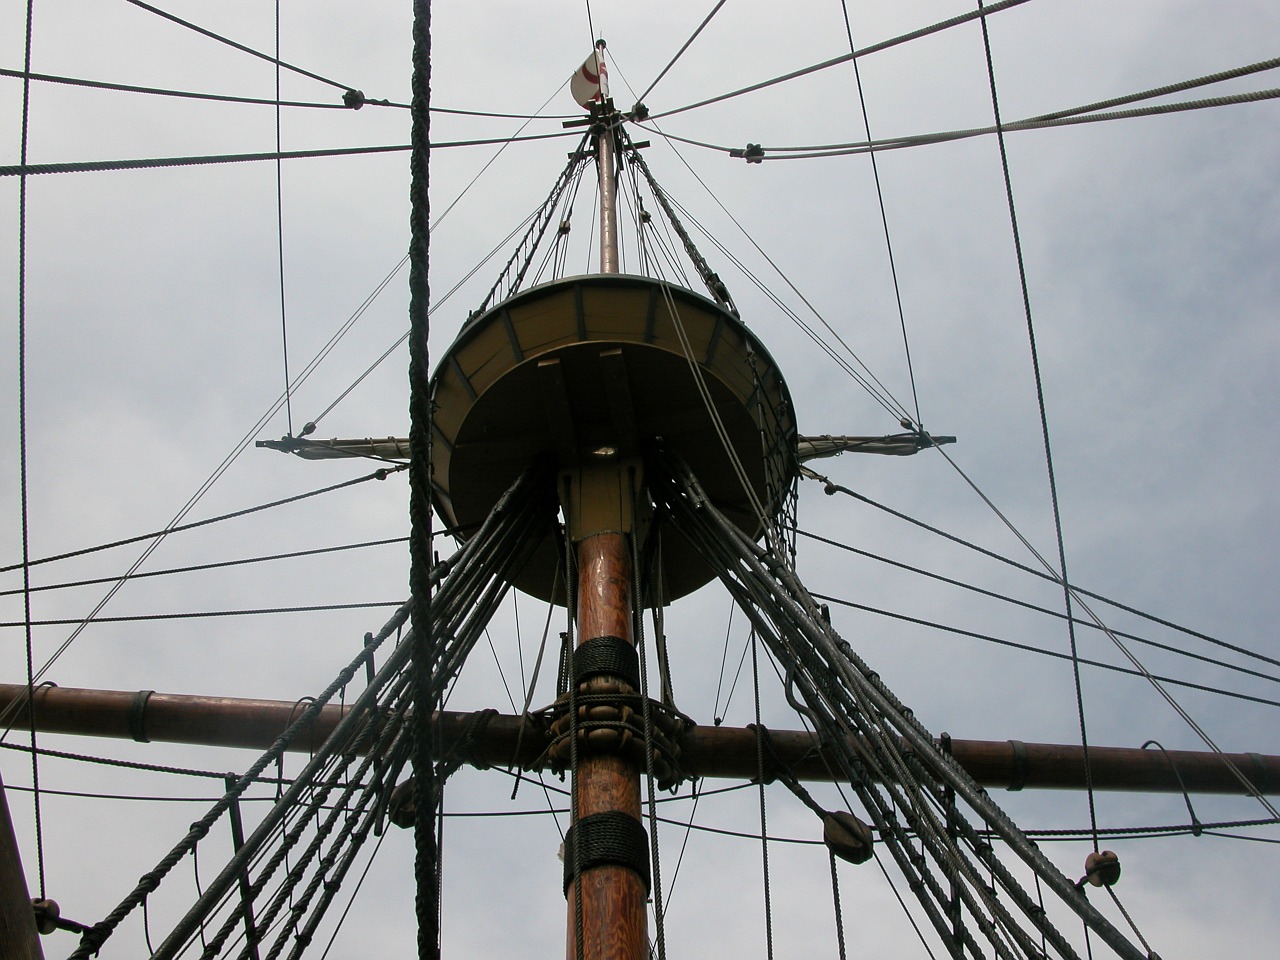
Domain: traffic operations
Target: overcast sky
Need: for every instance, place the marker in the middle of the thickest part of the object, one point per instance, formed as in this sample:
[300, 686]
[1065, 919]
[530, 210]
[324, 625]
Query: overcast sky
[153, 343]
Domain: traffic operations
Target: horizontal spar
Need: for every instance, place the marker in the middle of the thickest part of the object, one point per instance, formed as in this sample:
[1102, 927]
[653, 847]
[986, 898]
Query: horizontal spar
[722, 752]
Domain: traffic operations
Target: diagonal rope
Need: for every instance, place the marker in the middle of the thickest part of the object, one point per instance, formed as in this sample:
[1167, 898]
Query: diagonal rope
[1061, 570]
[680, 52]
[884, 216]
[836, 61]
[22, 447]
[284, 326]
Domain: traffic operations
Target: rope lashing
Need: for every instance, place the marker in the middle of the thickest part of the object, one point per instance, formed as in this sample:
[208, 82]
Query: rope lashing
[602, 839]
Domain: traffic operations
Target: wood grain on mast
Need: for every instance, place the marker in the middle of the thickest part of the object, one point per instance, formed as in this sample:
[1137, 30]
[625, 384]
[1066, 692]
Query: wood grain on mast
[606, 902]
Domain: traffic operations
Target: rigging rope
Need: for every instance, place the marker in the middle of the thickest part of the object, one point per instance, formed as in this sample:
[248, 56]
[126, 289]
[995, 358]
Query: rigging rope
[884, 219]
[1073, 116]
[261, 101]
[97, 166]
[238, 46]
[680, 52]
[1057, 655]
[845, 696]
[835, 61]
[379, 474]
[425, 661]
[183, 94]
[833, 488]
[1031, 606]
[204, 614]
[156, 538]
[284, 325]
[868, 381]
[762, 778]
[28, 639]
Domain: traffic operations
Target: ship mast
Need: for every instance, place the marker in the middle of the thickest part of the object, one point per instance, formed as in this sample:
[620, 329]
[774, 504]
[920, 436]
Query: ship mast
[598, 487]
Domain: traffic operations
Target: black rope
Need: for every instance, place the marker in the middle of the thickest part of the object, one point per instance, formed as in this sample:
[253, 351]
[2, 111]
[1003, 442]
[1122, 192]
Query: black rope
[92, 941]
[761, 768]
[833, 488]
[1067, 119]
[1195, 822]
[239, 46]
[1055, 654]
[424, 662]
[216, 565]
[995, 595]
[1070, 116]
[205, 614]
[884, 216]
[380, 474]
[1044, 426]
[835, 903]
[97, 166]
[637, 610]
[22, 448]
[135, 765]
[835, 61]
[284, 325]
[867, 380]
[845, 697]
[680, 52]
[183, 94]
[537, 229]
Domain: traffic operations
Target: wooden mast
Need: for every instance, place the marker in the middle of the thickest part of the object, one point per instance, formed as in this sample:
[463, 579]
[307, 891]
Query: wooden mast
[18, 940]
[606, 902]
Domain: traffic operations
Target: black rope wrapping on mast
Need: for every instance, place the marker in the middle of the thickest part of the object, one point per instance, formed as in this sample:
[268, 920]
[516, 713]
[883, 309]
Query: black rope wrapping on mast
[427, 863]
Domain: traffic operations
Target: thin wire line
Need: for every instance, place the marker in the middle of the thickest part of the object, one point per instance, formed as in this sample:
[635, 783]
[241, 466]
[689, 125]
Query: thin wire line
[148, 163]
[284, 325]
[680, 52]
[238, 46]
[156, 539]
[832, 487]
[995, 595]
[1044, 426]
[22, 445]
[1055, 654]
[884, 217]
[260, 101]
[835, 61]
[203, 614]
[380, 474]
[215, 565]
